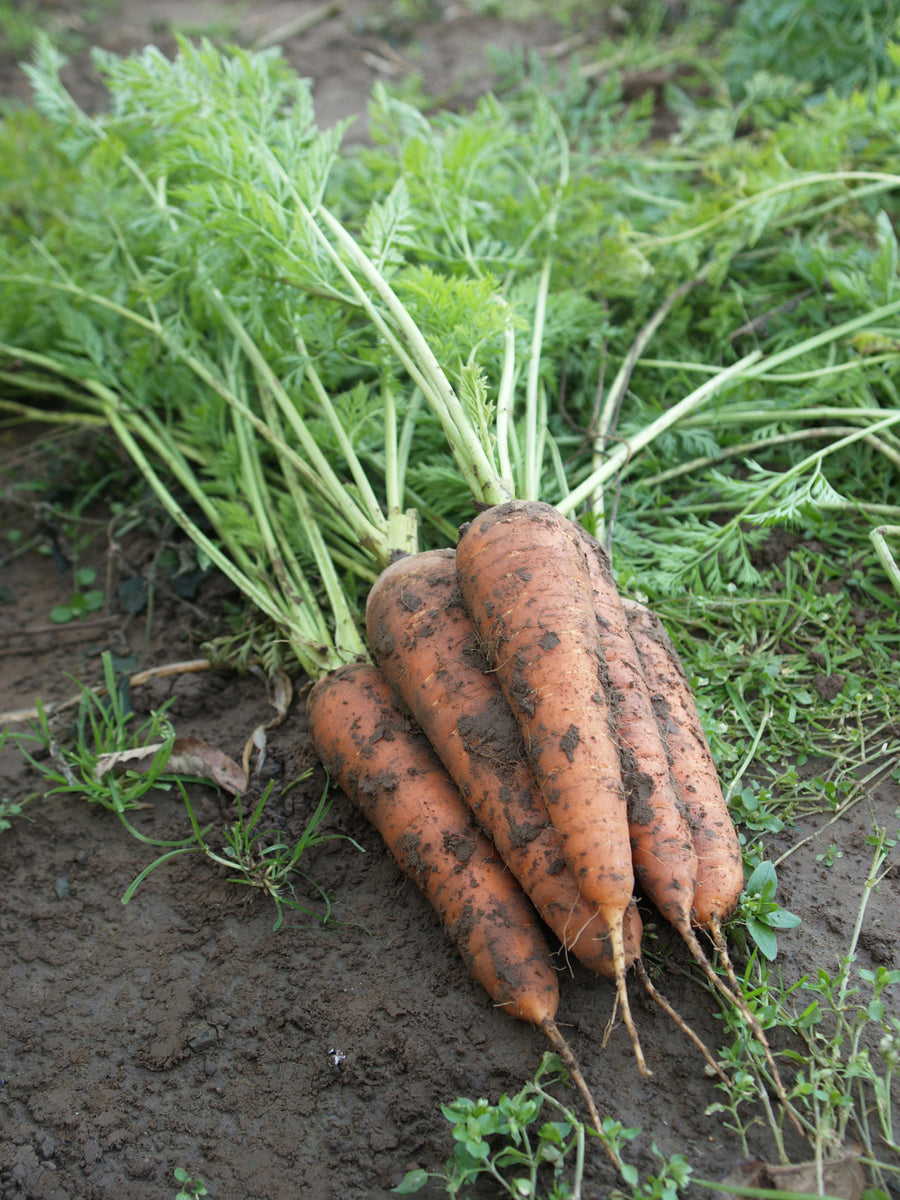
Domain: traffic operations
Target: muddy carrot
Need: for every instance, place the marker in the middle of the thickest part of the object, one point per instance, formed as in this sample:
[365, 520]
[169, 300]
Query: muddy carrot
[386, 766]
[665, 861]
[524, 578]
[720, 870]
[426, 644]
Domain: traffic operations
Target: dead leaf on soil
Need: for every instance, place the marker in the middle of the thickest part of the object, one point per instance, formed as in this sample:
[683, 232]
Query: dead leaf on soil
[842, 1176]
[190, 756]
[281, 693]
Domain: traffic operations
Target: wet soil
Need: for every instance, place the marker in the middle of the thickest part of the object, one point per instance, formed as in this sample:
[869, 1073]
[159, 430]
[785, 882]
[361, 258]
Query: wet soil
[307, 1063]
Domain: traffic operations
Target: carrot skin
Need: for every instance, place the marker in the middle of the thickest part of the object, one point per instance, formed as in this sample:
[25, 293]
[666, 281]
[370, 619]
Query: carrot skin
[663, 854]
[524, 577]
[523, 573]
[385, 765]
[426, 644]
[720, 869]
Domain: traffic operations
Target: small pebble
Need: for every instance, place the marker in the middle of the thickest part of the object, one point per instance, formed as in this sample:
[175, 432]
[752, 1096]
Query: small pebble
[62, 888]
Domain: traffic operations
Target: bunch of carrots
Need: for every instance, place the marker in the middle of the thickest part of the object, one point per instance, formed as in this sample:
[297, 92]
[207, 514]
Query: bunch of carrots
[528, 747]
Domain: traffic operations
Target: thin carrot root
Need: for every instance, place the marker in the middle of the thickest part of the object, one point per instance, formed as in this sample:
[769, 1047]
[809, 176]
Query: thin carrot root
[679, 1021]
[563, 1049]
[618, 951]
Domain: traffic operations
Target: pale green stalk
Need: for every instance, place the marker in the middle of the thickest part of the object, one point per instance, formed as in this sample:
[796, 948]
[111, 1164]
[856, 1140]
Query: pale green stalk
[402, 536]
[879, 538]
[360, 478]
[751, 366]
[505, 401]
[347, 639]
[882, 180]
[531, 483]
[410, 346]
[710, 460]
[610, 412]
[628, 447]
[330, 486]
[853, 364]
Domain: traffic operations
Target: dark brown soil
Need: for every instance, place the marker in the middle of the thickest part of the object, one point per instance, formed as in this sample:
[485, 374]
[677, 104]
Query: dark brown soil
[308, 1063]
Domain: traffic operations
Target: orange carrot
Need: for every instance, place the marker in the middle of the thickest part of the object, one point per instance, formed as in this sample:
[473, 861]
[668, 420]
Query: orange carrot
[425, 643]
[386, 766]
[524, 577]
[384, 763]
[720, 871]
[665, 862]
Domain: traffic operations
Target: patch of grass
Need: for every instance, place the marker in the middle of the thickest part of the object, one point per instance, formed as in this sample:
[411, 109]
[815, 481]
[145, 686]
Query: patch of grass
[258, 857]
[104, 725]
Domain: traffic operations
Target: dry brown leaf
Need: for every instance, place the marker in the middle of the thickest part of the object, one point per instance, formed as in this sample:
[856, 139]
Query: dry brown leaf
[190, 756]
[280, 692]
[842, 1175]
[257, 741]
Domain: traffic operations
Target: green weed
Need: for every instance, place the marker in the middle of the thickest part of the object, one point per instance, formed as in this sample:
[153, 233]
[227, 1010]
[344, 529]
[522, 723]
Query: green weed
[84, 599]
[188, 1186]
[104, 725]
[529, 1157]
[761, 913]
[846, 1064]
[257, 857]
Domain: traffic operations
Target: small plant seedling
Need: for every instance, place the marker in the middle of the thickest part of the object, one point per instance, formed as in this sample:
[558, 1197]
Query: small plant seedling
[188, 1186]
[508, 1143]
[828, 857]
[104, 725]
[8, 809]
[762, 913]
[257, 858]
[84, 599]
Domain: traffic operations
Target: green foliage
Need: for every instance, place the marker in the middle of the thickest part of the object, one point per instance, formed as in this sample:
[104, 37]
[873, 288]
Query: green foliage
[761, 913]
[188, 1186]
[258, 857]
[531, 1158]
[831, 44]
[84, 599]
[104, 725]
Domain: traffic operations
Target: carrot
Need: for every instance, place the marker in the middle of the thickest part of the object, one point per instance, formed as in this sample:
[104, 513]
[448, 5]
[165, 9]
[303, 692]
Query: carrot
[425, 643]
[524, 578]
[665, 861]
[720, 869]
[386, 766]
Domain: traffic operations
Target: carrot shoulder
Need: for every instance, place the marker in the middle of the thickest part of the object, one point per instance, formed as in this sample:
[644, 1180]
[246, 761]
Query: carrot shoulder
[388, 769]
[426, 645]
